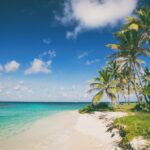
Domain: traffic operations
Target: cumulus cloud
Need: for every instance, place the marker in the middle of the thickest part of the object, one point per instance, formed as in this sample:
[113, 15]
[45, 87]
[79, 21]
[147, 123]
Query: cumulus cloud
[39, 66]
[92, 14]
[90, 62]
[12, 66]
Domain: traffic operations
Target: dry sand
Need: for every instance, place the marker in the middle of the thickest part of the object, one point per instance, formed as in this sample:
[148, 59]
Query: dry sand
[66, 131]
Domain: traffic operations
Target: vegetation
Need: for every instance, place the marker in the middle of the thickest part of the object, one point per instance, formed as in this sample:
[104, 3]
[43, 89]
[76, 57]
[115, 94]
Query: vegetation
[124, 107]
[133, 126]
[123, 75]
[99, 107]
[105, 84]
[126, 74]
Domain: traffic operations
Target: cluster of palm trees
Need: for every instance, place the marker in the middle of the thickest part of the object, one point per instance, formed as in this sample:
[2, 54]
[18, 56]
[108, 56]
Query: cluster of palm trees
[124, 73]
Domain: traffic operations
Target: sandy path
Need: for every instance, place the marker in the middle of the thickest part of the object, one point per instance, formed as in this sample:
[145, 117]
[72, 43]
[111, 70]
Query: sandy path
[64, 131]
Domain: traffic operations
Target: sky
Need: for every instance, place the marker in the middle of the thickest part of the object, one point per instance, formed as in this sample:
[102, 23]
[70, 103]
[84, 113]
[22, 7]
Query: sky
[50, 50]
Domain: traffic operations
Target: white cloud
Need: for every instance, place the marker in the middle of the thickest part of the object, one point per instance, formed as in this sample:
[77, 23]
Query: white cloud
[17, 87]
[49, 53]
[82, 55]
[12, 66]
[74, 92]
[13, 90]
[62, 88]
[8, 93]
[1, 68]
[39, 66]
[2, 88]
[21, 82]
[92, 14]
[46, 41]
[21, 87]
[73, 87]
[90, 62]
[73, 34]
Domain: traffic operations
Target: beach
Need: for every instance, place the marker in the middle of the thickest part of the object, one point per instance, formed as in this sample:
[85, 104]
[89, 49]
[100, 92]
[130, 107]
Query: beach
[67, 130]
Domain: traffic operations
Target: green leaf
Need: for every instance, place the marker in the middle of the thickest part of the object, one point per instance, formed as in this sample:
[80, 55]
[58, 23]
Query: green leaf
[98, 97]
[114, 46]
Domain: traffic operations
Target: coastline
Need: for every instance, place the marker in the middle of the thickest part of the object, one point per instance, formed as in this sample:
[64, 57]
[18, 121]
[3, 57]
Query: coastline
[66, 130]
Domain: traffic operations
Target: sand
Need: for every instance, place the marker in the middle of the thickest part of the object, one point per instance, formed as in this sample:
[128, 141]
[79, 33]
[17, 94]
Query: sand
[66, 131]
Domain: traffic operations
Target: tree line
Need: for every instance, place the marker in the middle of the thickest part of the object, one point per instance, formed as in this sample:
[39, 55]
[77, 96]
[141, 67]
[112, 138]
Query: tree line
[126, 73]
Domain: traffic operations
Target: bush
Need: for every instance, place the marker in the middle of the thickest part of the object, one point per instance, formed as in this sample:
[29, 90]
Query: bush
[99, 107]
[133, 126]
[123, 107]
[144, 107]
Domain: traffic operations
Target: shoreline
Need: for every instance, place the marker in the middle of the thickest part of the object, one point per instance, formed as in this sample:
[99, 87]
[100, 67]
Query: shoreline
[66, 130]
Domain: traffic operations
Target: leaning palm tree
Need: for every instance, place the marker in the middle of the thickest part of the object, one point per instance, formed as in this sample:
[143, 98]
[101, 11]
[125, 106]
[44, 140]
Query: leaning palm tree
[104, 84]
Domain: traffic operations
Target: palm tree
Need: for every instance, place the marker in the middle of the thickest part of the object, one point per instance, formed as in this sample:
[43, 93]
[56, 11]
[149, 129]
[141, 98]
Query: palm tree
[140, 22]
[128, 51]
[113, 68]
[104, 84]
[146, 87]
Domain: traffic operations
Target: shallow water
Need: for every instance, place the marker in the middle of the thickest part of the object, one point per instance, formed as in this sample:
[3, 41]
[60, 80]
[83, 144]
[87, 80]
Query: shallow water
[16, 117]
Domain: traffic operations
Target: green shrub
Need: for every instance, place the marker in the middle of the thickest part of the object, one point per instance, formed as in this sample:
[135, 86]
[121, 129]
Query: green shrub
[99, 107]
[144, 107]
[133, 126]
[107, 107]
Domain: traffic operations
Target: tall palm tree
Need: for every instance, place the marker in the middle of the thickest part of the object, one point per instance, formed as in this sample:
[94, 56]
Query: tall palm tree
[113, 68]
[123, 85]
[141, 22]
[104, 84]
[128, 51]
[146, 87]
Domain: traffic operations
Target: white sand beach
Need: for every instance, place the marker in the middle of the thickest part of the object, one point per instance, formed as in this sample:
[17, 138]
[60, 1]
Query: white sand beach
[66, 131]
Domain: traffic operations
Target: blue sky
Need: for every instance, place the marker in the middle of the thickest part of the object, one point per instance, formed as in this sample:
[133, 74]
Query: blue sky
[51, 49]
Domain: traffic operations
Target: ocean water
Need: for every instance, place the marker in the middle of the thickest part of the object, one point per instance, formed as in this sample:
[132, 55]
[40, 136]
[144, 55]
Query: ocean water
[16, 117]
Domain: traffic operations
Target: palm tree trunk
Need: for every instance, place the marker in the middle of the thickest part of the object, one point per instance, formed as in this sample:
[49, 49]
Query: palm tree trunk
[128, 94]
[118, 101]
[136, 93]
[124, 98]
[138, 75]
[134, 85]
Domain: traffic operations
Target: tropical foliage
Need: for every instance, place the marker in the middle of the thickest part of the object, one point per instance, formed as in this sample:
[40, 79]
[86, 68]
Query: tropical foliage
[133, 126]
[105, 84]
[125, 74]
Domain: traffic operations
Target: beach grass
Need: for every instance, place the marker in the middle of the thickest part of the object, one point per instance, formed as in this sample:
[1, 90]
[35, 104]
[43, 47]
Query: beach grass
[136, 124]
[133, 126]
[123, 107]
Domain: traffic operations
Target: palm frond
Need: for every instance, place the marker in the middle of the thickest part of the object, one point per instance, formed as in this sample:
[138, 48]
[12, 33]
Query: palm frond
[98, 97]
[114, 46]
[111, 95]
[96, 85]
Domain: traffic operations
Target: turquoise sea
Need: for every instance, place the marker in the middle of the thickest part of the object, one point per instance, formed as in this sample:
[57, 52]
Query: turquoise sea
[18, 116]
